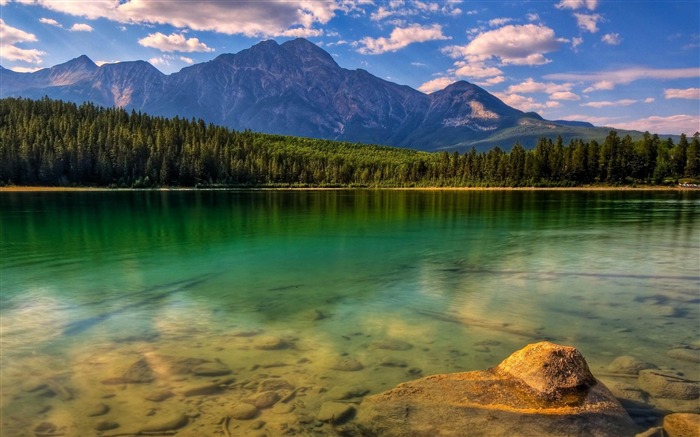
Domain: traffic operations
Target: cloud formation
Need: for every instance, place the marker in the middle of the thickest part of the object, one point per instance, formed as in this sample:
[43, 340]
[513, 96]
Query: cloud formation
[613, 39]
[689, 93]
[400, 38]
[606, 104]
[9, 37]
[436, 84]
[511, 44]
[577, 4]
[81, 27]
[254, 19]
[588, 22]
[673, 124]
[606, 80]
[175, 42]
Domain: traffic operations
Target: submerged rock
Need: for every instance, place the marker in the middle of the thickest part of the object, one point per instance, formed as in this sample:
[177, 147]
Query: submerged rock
[629, 365]
[683, 354]
[335, 412]
[138, 373]
[666, 386]
[682, 425]
[269, 343]
[542, 390]
[347, 364]
[211, 369]
[243, 411]
[167, 422]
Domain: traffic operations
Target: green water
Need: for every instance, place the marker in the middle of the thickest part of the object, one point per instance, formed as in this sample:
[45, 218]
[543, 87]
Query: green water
[407, 283]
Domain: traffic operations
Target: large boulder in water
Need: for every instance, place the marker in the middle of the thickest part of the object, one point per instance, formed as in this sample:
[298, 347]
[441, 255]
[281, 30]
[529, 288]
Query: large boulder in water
[542, 390]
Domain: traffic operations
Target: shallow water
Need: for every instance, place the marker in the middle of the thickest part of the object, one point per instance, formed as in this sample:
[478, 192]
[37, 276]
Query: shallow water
[400, 283]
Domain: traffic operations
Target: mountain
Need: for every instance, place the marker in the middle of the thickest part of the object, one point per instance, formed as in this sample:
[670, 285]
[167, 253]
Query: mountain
[296, 88]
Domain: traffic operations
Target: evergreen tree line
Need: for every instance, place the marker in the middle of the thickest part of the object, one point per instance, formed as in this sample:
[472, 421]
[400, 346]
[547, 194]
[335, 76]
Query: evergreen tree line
[53, 143]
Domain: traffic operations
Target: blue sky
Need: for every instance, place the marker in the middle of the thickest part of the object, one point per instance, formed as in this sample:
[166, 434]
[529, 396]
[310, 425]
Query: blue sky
[625, 64]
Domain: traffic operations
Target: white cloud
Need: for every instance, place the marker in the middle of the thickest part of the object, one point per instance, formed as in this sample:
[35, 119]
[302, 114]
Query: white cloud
[613, 39]
[689, 93]
[588, 22]
[649, 100]
[81, 27]
[250, 18]
[600, 86]
[25, 69]
[608, 79]
[175, 42]
[476, 69]
[186, 60]
[436, 84]
[9, 36]
[521, 102]
[576, 41]
[302, 32]
[400, 38]
[577, 4]
[672, 125]
[50, 21]
[564, 95]
[531, 86]
[496, 22]
[512, 44]
[532, 17]
[607, 104]
[168, 60]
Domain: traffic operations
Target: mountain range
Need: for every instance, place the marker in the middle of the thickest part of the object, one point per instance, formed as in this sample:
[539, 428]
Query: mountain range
[296, 88]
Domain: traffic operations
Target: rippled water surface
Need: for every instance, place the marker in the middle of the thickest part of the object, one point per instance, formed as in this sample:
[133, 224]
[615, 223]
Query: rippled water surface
[109, 299]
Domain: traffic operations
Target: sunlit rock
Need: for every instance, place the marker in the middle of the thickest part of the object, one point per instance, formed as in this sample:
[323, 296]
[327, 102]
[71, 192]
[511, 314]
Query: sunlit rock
[542, 390]
[682, 425]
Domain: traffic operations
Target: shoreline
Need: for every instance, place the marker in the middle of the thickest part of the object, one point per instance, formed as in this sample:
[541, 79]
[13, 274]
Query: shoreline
[36, 189]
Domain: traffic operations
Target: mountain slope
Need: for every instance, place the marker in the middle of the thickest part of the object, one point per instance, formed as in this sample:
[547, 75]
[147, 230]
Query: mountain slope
[296, 88]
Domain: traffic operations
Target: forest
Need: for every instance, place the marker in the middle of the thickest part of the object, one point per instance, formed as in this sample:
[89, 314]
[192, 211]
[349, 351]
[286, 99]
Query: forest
[54, 143]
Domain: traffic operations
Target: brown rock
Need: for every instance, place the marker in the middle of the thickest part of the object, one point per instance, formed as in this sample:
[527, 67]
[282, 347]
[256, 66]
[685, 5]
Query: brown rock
[551, 370]
[106, 425]
[158, 395]
[692, 355]
[211, 369]
[666, 386]
[202, 390]
[98, 410]
[347, 364]
[244, 411]
[543, 390]
[138, 373]
[629, 365]
[682, 425]
[264, 400]
[335, 412]
[392, 345]
[166, 422]
[269, 343]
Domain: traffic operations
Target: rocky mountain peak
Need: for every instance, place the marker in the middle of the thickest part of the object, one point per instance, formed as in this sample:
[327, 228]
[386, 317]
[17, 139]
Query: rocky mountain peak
[309, 53]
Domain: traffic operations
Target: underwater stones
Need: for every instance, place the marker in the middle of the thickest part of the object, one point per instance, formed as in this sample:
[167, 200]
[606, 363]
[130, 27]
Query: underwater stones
[165, 422]
[345, 393]
[247, 333]
[106, 425]
[264, 400]
[682, 425]
[392, 362]
[683, 354]
[47, 429]
[335, 412]
[665, 386]
[211, 369]
[542, 390]
[98, 410]
[347, 364]
[274, 384]
[269, 343]
[202, 390]
[281, 408]
[391, 344]
[243, 411]
[629, 365]
[138, 373]
[158, 395]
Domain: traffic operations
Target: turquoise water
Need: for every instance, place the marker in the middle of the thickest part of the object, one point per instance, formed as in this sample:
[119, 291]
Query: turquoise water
[288, 284]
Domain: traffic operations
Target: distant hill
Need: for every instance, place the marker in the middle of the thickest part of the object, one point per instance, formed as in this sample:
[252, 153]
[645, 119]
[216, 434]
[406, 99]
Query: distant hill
[296, 88]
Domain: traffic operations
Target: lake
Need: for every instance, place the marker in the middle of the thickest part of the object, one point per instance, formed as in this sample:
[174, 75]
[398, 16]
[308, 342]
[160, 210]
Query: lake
[127, 307]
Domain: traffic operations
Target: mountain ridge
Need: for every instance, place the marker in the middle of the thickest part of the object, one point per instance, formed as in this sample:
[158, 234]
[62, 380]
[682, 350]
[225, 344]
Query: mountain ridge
[297, 88]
